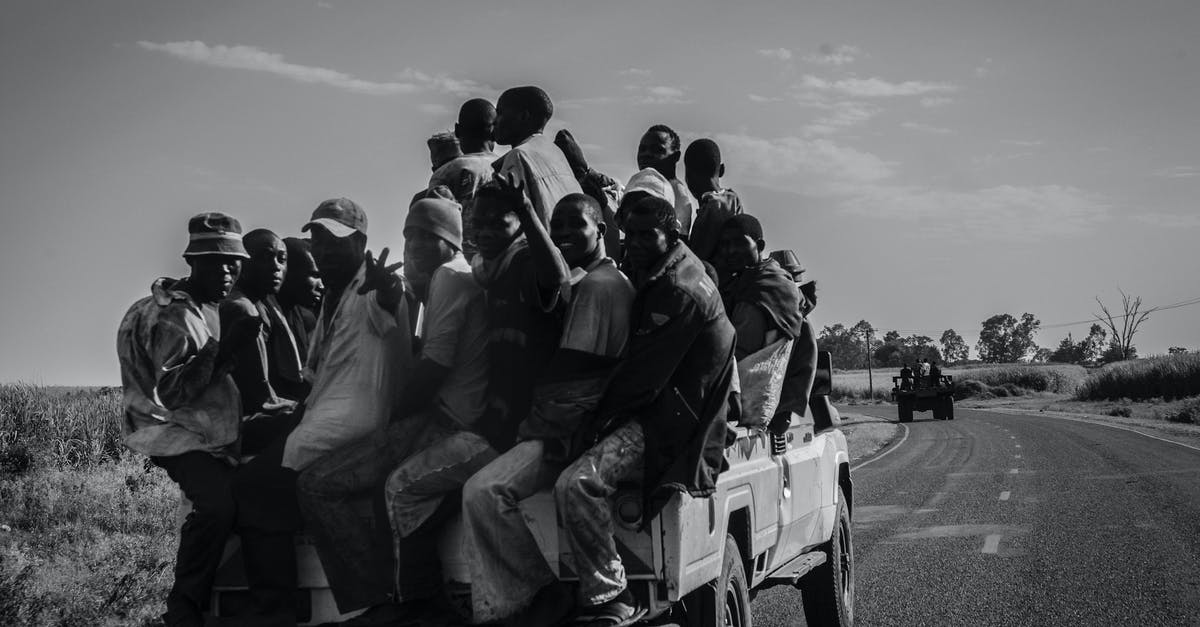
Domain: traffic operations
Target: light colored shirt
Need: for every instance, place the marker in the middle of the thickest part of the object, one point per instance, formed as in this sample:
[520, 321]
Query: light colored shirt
[540, 167]
[356, 363]
[167, 347]
[454, 334]
[463, 176]
[684, 206]
[598, 310]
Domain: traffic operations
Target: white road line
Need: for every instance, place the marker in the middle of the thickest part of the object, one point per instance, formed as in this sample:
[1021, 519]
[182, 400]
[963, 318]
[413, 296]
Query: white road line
[894, 447]
[1004, 495]
[1017, 445]
[1102, 424]
[991, 543]
[1017, 456]
[1013, 471]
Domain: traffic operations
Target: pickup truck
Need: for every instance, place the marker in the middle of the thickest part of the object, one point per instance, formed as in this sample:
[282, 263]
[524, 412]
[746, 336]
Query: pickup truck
[780, 516]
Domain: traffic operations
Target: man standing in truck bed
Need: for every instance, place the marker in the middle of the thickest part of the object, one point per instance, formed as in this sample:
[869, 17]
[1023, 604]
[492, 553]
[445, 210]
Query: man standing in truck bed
[663, 416]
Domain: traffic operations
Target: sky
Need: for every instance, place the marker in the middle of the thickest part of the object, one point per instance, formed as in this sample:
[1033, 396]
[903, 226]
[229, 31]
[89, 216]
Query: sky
[932, 162]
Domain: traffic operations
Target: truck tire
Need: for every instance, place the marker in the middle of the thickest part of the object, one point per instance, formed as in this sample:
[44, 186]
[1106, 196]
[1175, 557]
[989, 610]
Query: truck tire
[828, 590]
[905, 409]
[733, 604]
[948, 411]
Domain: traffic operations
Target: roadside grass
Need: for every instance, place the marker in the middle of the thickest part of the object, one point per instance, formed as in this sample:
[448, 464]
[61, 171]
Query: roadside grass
[1001, 380]
[1167, 377]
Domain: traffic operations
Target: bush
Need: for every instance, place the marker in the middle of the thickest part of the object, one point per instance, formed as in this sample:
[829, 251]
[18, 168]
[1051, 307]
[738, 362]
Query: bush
[1186, 413]
[1169, 377]
[1123, 412]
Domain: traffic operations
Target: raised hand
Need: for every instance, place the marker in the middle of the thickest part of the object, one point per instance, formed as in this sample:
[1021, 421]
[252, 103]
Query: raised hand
[379, 275]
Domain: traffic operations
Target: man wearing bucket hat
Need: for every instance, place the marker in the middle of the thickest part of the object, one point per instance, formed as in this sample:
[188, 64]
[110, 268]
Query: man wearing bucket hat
[443, 395]
[182, 408]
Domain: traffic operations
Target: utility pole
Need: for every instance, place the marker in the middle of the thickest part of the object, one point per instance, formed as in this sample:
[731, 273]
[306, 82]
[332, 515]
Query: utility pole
[870, 376]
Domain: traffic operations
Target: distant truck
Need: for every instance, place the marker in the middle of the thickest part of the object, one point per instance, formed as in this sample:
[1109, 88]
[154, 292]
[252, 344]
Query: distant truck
[924, 394]
[780, 516]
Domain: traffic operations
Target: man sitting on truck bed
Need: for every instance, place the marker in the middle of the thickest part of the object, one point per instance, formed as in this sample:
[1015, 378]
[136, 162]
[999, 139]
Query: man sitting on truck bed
[507, 568]
[761, 299]
[663, 417]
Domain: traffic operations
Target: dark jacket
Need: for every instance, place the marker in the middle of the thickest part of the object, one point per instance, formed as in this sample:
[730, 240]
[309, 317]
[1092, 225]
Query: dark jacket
[677, 379]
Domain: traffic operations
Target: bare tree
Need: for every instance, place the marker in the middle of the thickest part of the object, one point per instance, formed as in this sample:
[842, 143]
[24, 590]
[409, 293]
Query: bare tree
[1125, 325]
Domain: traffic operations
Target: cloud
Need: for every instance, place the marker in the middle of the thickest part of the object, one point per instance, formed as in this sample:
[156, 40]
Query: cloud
[1168, 220]
[1027, 143]
[658, 94]
[253, 59]
[874, 87]
[985, 69]
[324, 5]
[829, 54]
[434, 109]
[820, 163]
[926, 128]
[840, 115]
[931, 102]
[1179, 172]
[636, 72]
[779, 54]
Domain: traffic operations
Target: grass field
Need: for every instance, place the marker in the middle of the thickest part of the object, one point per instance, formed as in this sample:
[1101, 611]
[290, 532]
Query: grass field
[1166, 377]
[989, 381]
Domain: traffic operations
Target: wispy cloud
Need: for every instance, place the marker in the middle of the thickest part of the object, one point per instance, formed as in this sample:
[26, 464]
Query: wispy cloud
[830, 54]
[760, 99]
[1027, 143]
[983, 69]
[926, 128]
[658, 94]
[431, 108]
[636, 72]
[875, 87]
[1168, 220]
[932, 102]
[408, 81]
[1179, 172]
[840, 115]
[822, 163]
[779, 54]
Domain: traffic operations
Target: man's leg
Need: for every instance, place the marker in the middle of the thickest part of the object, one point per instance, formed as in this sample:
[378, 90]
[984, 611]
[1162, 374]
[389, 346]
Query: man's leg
[206, 481]
[582, 492]
[267, 520]
[341, 499]
[507, 566]
[415, 492]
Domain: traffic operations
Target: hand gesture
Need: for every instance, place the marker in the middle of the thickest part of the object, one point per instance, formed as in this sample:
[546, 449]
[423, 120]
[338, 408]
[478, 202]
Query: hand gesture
[517, 189]
[379, 275]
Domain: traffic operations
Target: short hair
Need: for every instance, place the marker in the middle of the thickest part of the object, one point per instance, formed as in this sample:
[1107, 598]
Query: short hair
[670, 132]
[475, 116]
[531, 99]
[297, 246]
[591, 208]
[509, 197]
[255, 239]
[703, 157]
[660, 209]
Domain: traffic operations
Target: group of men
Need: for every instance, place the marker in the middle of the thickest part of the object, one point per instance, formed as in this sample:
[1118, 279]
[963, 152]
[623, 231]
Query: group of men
[553, 329]
[926, 374]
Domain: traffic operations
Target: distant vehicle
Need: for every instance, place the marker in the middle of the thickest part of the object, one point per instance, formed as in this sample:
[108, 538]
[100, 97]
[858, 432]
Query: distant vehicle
[921, 394]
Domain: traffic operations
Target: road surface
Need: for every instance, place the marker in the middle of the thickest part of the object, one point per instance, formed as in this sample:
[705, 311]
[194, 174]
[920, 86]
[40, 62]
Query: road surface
[1000, 519]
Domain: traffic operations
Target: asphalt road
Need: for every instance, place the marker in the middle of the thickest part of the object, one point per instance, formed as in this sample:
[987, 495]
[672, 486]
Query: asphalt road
[999, 519]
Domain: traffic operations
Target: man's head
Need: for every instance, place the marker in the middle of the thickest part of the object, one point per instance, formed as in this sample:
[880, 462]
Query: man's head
[215, 253]
[302, 283]
[339, 240]
[651, 229]
[263, 273]
[741, 243]
[645, 184]
[702, 167]
[577, 228]
[659, 149]
[432, 236]
[495, 219]
[521, 112]
[476, 123]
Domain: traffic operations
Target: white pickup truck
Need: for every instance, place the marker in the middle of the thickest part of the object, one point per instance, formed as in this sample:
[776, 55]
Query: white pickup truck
[780, 516]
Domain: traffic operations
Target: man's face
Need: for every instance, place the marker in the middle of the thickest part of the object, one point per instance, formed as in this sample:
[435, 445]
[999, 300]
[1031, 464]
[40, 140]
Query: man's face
[574, 233]
[645, 241]
[213, 275]
[510, 123]
[264, 271]
[338, 258]
[423, 253]
[738, 250]
[496, 226]
[654, 150]
[303, 281]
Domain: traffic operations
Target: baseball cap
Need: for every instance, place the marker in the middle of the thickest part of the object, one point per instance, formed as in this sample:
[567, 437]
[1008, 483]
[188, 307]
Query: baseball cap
[340, 216]
[214, 233]
[652, 182]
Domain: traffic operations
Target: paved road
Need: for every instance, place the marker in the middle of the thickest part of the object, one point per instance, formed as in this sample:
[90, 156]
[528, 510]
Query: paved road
[999, 519]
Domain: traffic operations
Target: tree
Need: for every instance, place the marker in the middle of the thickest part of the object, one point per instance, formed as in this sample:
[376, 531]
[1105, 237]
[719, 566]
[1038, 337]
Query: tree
[1066, 353]
[1177, 350]
[954, 347]
[1116, 352]
[1125, 325]
[1004, 339]
[1092, 347]
[845, 345]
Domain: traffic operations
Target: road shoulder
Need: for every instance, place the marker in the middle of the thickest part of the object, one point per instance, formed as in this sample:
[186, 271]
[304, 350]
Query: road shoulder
[867, 436]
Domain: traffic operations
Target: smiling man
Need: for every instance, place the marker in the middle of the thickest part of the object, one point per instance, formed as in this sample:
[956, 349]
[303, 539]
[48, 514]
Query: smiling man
[507, 569]
[181, 405]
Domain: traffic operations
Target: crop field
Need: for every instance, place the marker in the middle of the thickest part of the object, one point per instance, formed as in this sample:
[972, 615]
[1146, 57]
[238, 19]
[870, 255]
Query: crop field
[1167, 377]
[984, 381]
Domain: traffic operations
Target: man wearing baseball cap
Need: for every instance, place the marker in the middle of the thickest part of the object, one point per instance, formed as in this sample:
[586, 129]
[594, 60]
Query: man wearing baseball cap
[357, 359]
[182, 408]
[442, 397]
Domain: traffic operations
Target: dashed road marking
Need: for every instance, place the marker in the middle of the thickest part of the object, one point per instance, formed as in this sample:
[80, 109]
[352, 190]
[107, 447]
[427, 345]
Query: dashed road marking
[1017, 445]
[1018, 456]
[1014, 471]
[991, 543]
[1005, 494]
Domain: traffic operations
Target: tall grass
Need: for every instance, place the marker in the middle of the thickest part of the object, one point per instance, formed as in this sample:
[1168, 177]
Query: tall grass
[1167, 377]
[58, 427]
[979, 382]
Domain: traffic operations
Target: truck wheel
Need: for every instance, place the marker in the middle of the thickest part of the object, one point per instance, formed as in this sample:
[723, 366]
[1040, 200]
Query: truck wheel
[828, 590]
[905, 409]
[733, 604]
[948, 411]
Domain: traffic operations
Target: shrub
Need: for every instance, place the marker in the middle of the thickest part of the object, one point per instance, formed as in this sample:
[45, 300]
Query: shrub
[1123, 412]
[1186, 413]
[1168, 377]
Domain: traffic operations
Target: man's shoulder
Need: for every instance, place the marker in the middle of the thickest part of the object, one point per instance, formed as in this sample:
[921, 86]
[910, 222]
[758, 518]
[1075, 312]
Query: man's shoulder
[605, 281]
[685, 283]
[454, 274]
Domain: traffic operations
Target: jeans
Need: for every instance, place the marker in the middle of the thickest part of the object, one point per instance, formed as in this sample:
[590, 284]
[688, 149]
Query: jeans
[507, 566]
[582, 492]
[416, 501]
